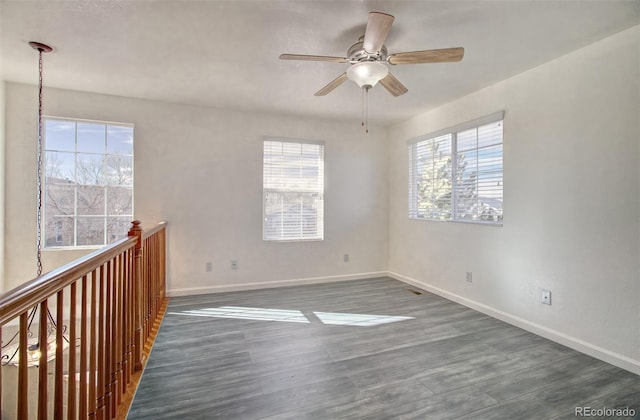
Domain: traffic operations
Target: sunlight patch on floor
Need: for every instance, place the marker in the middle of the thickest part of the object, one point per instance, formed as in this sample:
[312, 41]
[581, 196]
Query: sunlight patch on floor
[287, 315]
[360, 320]
[257, 314]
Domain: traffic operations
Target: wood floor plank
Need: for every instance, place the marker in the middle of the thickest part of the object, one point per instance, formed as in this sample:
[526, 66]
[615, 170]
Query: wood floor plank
[279, 360]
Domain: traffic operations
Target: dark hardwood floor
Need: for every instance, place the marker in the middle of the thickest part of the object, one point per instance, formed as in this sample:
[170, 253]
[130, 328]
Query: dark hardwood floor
[218, 356]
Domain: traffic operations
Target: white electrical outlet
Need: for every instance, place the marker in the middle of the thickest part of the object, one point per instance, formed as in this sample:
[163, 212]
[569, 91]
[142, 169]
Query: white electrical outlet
[346, 258]
[208, 267]
[546, 297]
[469, 276]
[234, 264]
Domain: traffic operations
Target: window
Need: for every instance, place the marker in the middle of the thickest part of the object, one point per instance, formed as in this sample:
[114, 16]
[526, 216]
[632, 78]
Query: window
[88, 182]
[293, 202]
[457, 174]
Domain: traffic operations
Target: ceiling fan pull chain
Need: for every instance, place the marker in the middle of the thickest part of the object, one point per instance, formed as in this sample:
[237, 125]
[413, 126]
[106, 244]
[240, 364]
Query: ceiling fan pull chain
[366, 109]
[362, 105]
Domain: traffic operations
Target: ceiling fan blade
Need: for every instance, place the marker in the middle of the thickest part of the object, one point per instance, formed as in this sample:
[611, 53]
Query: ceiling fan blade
[446, 55]
[393, 85]
[377, 30]
[332, 85]
[313, 58]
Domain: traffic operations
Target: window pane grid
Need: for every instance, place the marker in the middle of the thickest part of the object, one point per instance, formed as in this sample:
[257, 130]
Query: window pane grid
[467, 188]
[88, 170]
[293, 191]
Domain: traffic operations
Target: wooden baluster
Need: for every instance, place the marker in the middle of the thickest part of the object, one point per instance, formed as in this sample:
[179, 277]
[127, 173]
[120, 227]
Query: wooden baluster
[156, 290]
[137, 283]
[23, 378]
[132, 313]
[58, 396]
[159, 278]
[71, 388]
[152, 278]
[43, 365]
[123, 323]
[1, 370]
[143, 292]
[115, 334]
[148, 286]
[93, 348]
[83, 351]
[108, 344]
[140, 290]
[163, 262]
[152, 283]
[100, 387]
[158, 273]
[152, 292]
[130, 306]
[149, 280]
[121, 361]
[129, 318]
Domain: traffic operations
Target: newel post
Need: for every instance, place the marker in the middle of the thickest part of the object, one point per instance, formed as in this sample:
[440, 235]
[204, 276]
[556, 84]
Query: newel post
[136, 231]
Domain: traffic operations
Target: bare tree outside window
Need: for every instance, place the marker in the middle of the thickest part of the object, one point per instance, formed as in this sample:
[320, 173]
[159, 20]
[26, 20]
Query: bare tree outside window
[435, 186]
[88, 182]
[458, 176]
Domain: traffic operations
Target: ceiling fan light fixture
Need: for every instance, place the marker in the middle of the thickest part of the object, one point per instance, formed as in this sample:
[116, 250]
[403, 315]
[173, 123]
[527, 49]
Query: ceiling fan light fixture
[367, 73]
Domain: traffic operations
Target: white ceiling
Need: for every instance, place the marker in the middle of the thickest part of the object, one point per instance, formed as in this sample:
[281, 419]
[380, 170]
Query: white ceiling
[225, 53]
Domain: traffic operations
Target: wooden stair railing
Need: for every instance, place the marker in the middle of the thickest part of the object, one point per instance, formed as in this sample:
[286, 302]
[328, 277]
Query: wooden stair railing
[79, 363]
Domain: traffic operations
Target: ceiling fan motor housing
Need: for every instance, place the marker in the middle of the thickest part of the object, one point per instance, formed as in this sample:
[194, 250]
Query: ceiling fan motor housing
[357, 53]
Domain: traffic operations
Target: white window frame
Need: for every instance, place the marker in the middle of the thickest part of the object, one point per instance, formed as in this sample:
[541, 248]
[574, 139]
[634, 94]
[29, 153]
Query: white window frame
[316, 193]
[445, 136]
[105, 216]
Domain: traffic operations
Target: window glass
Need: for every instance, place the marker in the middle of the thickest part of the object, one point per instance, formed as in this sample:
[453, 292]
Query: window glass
[458, 176]
[88, 182]
[293, 203]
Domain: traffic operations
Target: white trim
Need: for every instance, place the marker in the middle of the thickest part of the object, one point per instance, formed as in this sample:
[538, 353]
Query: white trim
[85, 120]
[292, 140]
[272, 284]
[605, 355]
[487, 119]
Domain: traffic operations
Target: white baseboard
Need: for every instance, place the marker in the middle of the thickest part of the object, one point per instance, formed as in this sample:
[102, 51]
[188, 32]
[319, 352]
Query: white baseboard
[605, 355]
[270, 284]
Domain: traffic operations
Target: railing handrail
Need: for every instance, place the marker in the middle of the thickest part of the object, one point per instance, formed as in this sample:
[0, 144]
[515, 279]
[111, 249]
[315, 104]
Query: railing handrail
[22, 298]
[107, 307]
[151, 231]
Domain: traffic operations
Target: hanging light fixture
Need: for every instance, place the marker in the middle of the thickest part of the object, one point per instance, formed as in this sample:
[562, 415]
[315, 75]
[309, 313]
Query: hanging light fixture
[367, 74]
[10, 350]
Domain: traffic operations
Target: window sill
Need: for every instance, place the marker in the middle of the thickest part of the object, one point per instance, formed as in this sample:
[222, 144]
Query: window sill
[72, 248]
[292, 240]
[468, 222]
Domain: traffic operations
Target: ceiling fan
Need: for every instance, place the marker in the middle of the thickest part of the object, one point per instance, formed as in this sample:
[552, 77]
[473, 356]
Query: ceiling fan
[368, 55]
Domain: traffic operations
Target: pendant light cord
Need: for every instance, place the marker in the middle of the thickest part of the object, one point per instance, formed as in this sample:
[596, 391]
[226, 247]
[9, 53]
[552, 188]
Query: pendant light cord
[39, 171]
[6, 358]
